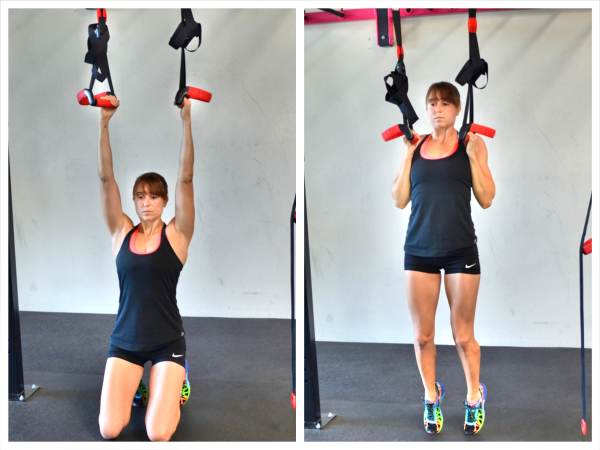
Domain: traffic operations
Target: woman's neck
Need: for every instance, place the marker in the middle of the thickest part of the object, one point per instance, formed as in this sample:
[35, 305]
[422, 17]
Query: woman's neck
[148, 228]
[444, 135]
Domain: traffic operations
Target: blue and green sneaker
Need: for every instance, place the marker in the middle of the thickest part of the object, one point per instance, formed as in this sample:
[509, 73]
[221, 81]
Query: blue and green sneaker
[141, 396]
[433, 419]
[475, 413]
[186, 388]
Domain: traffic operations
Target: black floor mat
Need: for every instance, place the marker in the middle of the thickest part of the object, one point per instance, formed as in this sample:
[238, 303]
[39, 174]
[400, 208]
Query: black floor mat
[239, 373]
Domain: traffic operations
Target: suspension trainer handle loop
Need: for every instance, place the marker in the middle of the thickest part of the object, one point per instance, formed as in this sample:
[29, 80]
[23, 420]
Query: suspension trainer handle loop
[185, 32]
[475, 65]
[396, 84]
[97, 43]
[474, 68]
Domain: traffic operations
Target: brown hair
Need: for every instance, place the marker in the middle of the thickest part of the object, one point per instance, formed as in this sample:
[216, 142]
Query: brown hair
[444, 90]
[155, 183]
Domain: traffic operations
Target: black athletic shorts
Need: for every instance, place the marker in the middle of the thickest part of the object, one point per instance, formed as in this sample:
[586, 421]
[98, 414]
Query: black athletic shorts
[465, 260]
[173, 351]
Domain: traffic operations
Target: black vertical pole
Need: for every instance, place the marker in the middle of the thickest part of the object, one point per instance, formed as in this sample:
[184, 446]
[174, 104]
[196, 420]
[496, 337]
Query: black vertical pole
[16, 386]
[312, 399]
[583, 423]
[293, 297]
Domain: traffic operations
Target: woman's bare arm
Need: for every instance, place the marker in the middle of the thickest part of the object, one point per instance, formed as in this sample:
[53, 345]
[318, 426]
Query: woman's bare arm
[484, 187]
[111, 198]
[185, 212]
[401, 186]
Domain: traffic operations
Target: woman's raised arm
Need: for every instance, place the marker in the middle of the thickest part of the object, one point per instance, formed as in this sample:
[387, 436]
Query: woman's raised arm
[115, 219]
[184, 192]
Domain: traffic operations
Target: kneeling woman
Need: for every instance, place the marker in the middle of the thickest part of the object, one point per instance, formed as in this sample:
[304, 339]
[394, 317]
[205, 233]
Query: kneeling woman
[437, 176]
[149, 257]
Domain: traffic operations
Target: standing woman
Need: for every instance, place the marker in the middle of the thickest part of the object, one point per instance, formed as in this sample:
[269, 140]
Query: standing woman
[149, 257]
[437, 176]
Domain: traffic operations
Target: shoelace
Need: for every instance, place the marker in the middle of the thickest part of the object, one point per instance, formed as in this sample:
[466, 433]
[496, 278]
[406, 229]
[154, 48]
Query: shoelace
[430, 408]
[471, 410]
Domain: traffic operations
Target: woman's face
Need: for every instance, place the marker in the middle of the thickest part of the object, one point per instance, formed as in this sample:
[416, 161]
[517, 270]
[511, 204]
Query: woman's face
[442, 114]
[149, 207]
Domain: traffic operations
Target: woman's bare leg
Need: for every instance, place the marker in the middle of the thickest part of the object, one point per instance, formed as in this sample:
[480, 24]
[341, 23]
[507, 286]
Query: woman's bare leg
[121, 380]
[461, 290]
[163, 412]
[423, 295]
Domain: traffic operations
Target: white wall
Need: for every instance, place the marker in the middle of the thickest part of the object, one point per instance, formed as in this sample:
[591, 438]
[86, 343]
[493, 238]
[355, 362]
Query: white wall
[245, 154]
[538, 99]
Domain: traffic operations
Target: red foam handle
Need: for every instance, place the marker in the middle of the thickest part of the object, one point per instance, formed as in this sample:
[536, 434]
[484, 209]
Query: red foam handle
[587, 247]
[392, 133]
[103, 102]
[481, 129]
[84, 100]
[395, 132]
[198, 94]
[293, 400]
[583, 427]
[399, 52]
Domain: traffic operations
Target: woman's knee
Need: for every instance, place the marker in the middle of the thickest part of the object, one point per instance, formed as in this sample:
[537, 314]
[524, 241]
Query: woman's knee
[466, 341]
[159, 432]
[110, 429]
[159, 428]
[424, 339]
[112, 423]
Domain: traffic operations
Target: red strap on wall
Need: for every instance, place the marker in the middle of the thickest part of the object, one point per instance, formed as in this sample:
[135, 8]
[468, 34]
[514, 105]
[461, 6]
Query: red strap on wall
[472, 25]
[101, 12]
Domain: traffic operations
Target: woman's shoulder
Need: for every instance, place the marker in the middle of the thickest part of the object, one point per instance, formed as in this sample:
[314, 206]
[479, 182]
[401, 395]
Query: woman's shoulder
[177, 240]
[120, 236]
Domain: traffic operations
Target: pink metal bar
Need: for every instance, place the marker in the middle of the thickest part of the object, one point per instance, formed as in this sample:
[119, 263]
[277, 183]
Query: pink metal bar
[312, 18]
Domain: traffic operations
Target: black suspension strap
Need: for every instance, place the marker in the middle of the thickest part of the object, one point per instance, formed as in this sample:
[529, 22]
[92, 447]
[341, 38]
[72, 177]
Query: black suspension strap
[469, 74]
[585, 248]
[97, 44]
[396, 84]
[185, 32]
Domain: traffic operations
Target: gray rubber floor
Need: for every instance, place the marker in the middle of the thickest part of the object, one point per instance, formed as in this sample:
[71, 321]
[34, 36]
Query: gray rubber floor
[239, 373]
[376, 392]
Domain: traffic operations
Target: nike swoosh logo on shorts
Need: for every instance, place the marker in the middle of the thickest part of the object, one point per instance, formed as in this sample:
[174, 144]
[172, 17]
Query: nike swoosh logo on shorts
[469, 266]
[176, 356]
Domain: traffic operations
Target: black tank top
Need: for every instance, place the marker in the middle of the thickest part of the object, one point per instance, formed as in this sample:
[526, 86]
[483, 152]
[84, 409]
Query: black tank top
[440, 218]
[148, 316]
